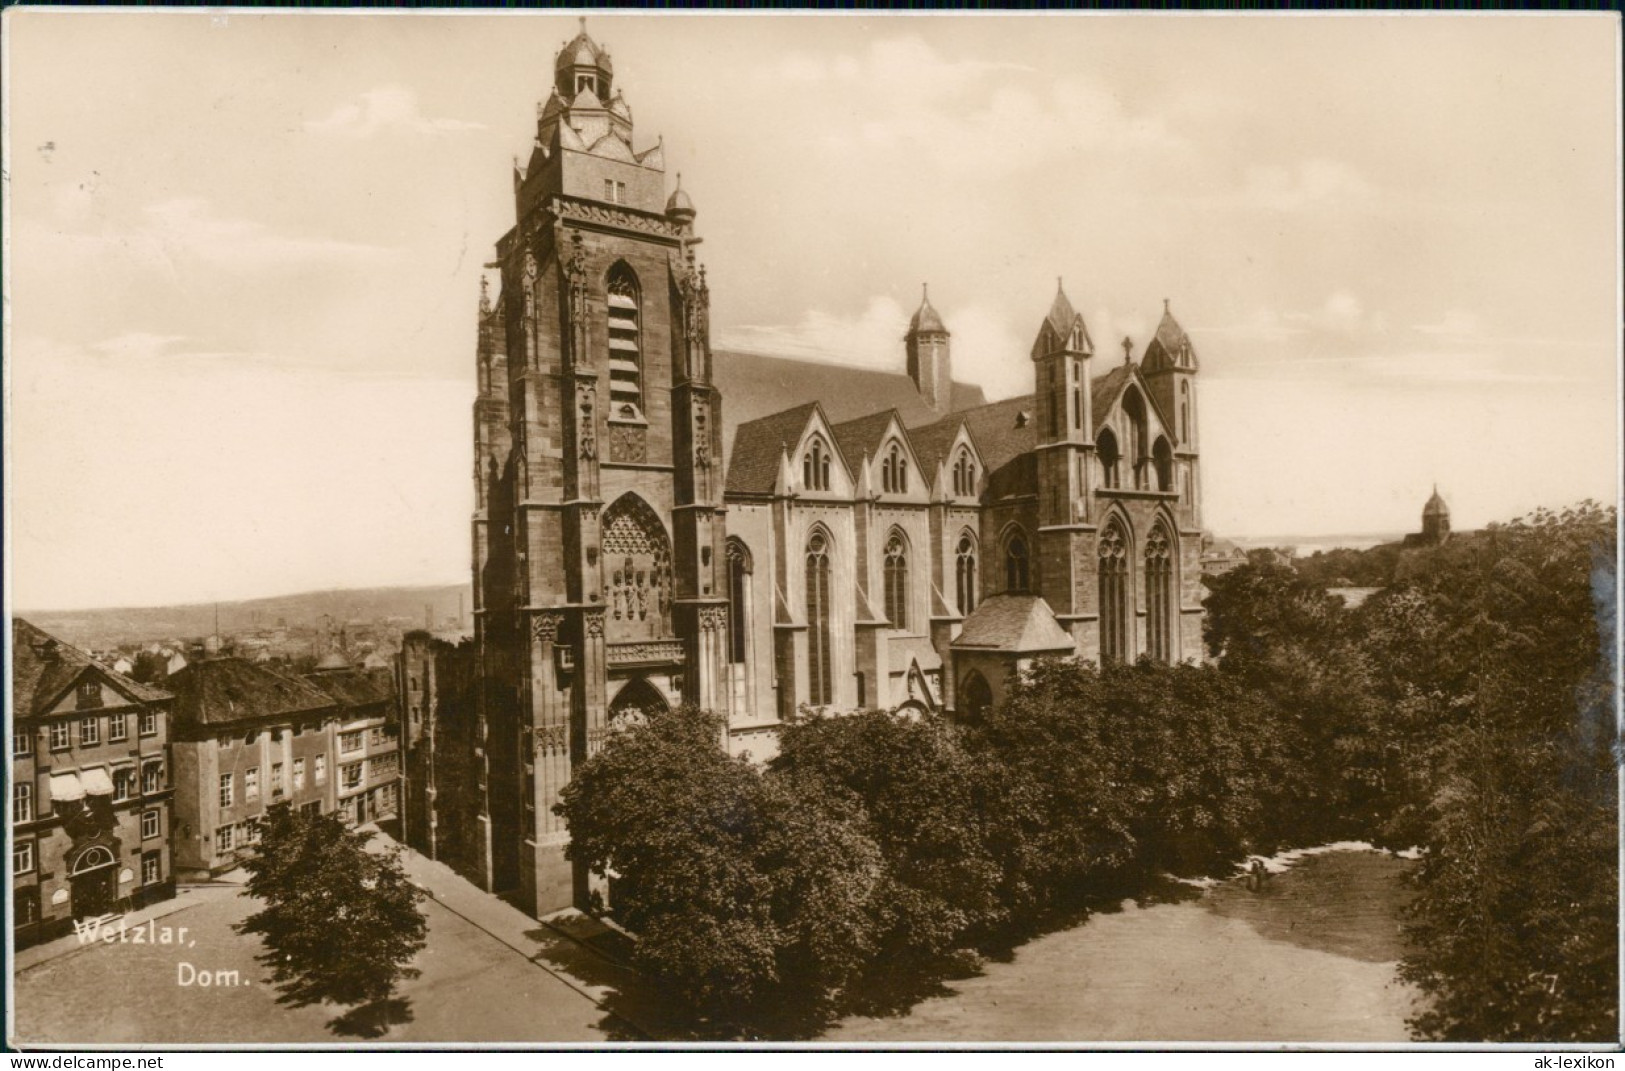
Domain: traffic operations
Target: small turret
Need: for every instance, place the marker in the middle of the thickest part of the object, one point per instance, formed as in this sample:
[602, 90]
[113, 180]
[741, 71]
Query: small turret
[929, 360]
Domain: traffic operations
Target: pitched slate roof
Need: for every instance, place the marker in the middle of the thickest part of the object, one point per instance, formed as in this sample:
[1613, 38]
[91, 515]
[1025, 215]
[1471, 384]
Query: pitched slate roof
[754, 464]
[1000, 432]
[224, 691]
[354, 687]
[1013, 624]
[754, 386]
[43, 667]
[862, 436]
[931, 442]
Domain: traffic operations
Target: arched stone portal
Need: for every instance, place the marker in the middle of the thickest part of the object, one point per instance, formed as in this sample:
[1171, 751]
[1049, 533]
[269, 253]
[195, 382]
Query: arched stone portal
[637, 572]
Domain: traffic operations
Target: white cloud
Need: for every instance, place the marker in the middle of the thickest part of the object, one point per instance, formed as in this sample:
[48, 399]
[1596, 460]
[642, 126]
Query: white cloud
[390, 108]
[1457, 323]
[1310, 184]
[872, 338]
[188, 228]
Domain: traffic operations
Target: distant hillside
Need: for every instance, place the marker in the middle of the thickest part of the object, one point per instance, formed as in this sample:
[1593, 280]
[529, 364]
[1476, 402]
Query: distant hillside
[306, 610]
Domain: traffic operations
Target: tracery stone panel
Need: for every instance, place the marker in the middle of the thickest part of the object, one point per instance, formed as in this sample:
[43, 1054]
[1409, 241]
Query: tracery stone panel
[637, 572]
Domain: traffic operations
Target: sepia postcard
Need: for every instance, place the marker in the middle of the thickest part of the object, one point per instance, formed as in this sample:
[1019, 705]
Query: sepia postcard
[605, 529]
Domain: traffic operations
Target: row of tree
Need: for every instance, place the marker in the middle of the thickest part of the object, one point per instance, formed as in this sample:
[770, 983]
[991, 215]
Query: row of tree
[876, 850]
[1468, 709]
[1465, 710]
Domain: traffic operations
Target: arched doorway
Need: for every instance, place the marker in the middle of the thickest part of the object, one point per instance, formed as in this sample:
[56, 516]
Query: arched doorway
[975, 695]
[94, 878]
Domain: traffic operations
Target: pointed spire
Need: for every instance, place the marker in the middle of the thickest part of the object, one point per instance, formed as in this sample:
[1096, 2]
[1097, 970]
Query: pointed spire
[926, 320]
[1128, 350]
[1063, 329]
[1170, 347]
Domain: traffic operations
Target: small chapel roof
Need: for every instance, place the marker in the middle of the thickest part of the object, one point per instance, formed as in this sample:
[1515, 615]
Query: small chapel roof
[1013, 624]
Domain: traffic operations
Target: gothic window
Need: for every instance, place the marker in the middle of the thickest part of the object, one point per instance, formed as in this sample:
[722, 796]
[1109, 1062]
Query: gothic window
[820, 690]
[1016, 572]
[1110, 457]
[815, 467]
[1185, 412]
[1114, 588]
[625, 342]
[1162, 459]
[636, 558]
[894, 471]
[964, 474]
[896, 581]
[738, 599]
[1159, 594]
[965, 573]
[1134, 409]
[1055, 402]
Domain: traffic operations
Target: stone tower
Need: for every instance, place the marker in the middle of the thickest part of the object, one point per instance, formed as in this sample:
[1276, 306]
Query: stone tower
[1063, 408]
[589, 606]
[1169, 367]
[928, 357]
[1435, 520]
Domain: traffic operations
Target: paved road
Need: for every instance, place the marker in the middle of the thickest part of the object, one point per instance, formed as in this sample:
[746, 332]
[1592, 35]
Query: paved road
[473, 988]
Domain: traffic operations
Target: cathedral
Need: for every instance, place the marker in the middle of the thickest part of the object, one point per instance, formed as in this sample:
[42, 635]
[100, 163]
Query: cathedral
[659, 523]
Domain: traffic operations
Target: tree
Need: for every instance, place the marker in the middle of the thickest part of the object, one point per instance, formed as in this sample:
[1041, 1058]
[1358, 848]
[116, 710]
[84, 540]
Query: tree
[340, 923]
[746, 896]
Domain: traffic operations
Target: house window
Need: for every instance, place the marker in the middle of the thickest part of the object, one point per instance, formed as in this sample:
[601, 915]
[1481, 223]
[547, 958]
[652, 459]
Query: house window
[223, 838]
[965, 573]
[27, 907]
[123, 784]
[22, 803]
[152, 778]
[22, 742]
[226, 794]
[815, 467]
[149, 723]
[298, 774]
[90, 732]
[61, 736]
[625, 340]
[385, 766]
[118, 728]
[88, 694]
[313, 809]
[894, 471]
[152, 868]
[349, 742]
[1114, 589]
[321, 769]
[276, 779]
[251, 783]
[149, 824]
[375, 736]
[615, 192]
[819, 676]
[353, 774]
[1016, 571]
[22, 857]
[895, 569]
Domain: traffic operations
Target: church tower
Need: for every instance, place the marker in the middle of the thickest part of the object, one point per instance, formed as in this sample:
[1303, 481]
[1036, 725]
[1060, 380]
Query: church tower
[1170, 368]
[1435, 520]
[606, 601]
[1061, 356]
[928, 359]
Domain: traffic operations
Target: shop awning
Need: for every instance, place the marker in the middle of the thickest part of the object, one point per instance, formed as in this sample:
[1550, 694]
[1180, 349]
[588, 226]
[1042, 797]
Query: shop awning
[65, 788]
[96, 782]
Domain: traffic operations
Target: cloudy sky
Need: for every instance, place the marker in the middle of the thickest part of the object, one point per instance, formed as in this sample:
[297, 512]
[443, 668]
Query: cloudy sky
[245, 251]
